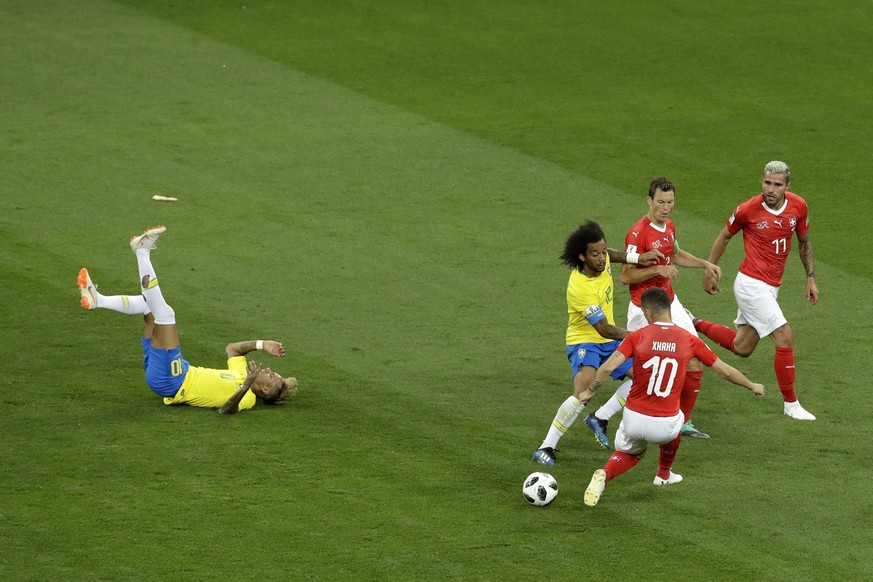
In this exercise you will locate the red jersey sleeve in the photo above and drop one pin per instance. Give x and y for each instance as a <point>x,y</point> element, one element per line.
<point>737,219</point>
<point>702,352</point>
<point>802,216</point>
<point>626,347</point>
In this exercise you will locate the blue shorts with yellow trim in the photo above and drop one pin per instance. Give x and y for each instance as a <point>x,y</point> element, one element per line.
<point>594,355</point>
<point>165,370</point>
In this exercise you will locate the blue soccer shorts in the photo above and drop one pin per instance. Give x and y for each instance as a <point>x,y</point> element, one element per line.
<point>165,370</point>
<point>594,355</point>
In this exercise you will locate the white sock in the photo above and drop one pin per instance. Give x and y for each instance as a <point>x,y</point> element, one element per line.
<point>126,304</point>
<point>144,263</point>
<point>564,419</point>
<point>616,403</point>
<point>164,314</point>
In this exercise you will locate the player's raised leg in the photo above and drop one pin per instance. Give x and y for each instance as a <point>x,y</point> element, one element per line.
<point>165,335</point>
<point>92,299</point>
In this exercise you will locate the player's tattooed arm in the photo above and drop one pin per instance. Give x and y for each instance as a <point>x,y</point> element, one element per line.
<point>806,255</point>
<point>602,376</point>
<point>232,404</point>
<point>610,331</point>
<point>808,260</point>
<point>272,347</point>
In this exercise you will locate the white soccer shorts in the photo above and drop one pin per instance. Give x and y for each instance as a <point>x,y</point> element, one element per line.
<point>757,305</point>
<point>637,431</point>
<point>636,320</point>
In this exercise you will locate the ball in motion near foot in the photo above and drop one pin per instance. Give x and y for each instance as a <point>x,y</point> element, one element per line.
<point>540,489</point>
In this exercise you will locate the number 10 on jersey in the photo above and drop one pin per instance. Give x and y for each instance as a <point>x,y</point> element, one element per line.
<point>662,369</point>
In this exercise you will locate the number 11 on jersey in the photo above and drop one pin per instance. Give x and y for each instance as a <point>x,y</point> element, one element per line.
<point>781,245</point>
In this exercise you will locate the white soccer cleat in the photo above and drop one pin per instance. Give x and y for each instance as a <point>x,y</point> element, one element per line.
<point>87,290</point>
<point>797,412</point>
<point>147,239</point>
<point>595,488</point>
<point>673,478</point>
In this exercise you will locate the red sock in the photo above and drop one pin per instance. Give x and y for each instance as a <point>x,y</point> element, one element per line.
<point>783,363</point>
<point>618,463</point>
<point>723,336</point>
<point>690,391</point>
<point>668,455</point>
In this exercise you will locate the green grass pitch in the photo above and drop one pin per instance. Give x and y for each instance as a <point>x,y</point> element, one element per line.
<point>385,187</point>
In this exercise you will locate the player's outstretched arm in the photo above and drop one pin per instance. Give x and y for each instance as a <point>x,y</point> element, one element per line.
<point>646,259</point>
<point>232,404</point>
<point>686,259</point>
<point>734,376</point>
<point>610,331</point>
<point>719,245</point>
<point>602,376</point>
<point>631,274</point>
<point>273,348</point>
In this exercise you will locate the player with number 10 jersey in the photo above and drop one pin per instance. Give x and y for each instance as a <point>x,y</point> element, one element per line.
<point>661,352</point>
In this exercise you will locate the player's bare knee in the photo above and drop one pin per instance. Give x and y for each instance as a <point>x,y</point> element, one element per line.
<point>783,337</point>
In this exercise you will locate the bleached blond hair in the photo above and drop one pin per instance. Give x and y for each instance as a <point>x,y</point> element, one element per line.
<point>288,390</point>
<point>777,167</point>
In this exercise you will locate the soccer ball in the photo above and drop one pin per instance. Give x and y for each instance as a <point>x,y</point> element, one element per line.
<point>539,489</point>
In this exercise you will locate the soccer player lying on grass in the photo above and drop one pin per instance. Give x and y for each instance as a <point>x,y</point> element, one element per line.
<point>661,352</point>
<point>167,373</point>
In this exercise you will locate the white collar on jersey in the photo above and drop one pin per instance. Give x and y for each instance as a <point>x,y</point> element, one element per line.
<point>662,323</point>
<point>775,212</point>
<point>656,227</point>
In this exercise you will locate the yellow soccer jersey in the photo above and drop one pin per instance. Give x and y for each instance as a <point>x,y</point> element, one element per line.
<point>589,299</point>
<point>211,388</point>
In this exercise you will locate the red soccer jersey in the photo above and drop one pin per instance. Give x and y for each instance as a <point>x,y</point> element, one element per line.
<point>767,235</point>
<point>661,352</point>
<point>645,236</point>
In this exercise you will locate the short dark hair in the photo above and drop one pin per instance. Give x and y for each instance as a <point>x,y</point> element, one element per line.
<point>577,243</point>
<point>655,299</point>
<point>660,183</point>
